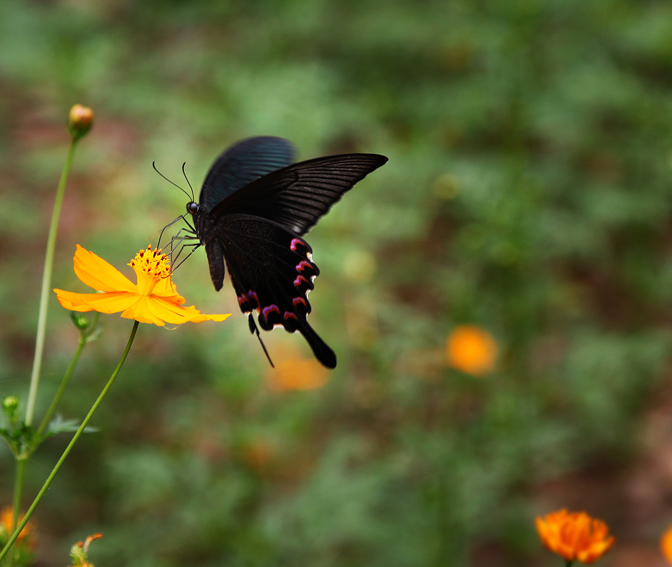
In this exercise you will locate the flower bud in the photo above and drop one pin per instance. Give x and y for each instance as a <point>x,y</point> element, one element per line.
<point>10,404</point>
<point>79,121</point>
<point>79,551</point>
<point>78,320</point>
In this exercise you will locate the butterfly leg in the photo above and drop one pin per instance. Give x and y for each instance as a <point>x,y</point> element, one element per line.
<point>194,247</point>
<point>255,329</point>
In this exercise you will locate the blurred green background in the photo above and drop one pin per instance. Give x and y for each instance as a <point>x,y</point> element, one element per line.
<point>528,192</point>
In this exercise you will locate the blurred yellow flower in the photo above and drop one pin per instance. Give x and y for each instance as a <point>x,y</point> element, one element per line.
<point>6,522</point>
<point>575,535</point>
<point>297,374</point>
<point>154,299</point>
<point>666,545</point>
<point>471,350</point>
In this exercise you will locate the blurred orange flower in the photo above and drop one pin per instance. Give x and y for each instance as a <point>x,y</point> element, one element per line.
<point>6,521</point>
<point>257,453</point>
<point>666,545</point>
<point>575,535</point>
<point>154,299</point>
<point>297,374</point>
<point>471,350</point>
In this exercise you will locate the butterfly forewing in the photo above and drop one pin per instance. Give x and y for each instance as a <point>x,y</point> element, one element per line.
<point>242,164</point>
<point>298,195</point>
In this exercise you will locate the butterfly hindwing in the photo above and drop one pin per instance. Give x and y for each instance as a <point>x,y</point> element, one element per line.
<point>272,272</point>
<point>297,196</point>
<point>242,164</point>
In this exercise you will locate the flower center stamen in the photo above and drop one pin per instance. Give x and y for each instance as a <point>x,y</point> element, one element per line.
<point>150,266</point>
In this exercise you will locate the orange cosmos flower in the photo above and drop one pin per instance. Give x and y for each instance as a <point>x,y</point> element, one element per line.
<point>6,520</point>
<point>154,299</point>
<point>471,350</point>
<point>575,536</point>
<point>666,545</point>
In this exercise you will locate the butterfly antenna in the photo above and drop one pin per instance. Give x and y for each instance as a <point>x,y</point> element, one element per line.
<point>193,195</point>
<point>172,182</point>
<point>255,329</point>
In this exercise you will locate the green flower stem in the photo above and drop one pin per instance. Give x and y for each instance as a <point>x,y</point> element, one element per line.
<point>569,563</point>
<point>46,284</point>
<point>58,465</point>
<point>64,383</point>
<point>18,487</point>
<point>85,336</point>
<point>18,490</point>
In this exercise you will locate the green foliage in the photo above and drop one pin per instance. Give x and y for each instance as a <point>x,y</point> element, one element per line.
<point>528,192</point>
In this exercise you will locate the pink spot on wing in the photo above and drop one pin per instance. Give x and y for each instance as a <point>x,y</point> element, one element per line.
<point>299,301</point>
<point>303,264</point>
<point>298,280</point>
<point>290,315</point>
<point>296,242</point>
<point>270,309</point>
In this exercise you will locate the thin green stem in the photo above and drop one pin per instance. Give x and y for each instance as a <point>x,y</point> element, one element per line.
<point>85,336</point>
<point>64,383</point>
<point>18,488</point>
<point>46,284</point>
<point>60,462</point>
<point>18,491</point>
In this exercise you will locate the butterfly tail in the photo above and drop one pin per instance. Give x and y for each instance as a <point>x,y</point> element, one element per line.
<point>320,349</point>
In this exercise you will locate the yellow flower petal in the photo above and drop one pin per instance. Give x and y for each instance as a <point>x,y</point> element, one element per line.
<point>177,315</point>
<point>111,302</point>
<point>72,301</point>
<point>195,316</point>
<point>140,311</point>
<point>166,288</point>
<point>99,274</point>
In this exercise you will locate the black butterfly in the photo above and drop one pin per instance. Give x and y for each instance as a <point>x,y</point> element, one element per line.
<point>253,208</point>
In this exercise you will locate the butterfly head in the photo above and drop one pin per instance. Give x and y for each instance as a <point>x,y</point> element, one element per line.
<point>192,207</point>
